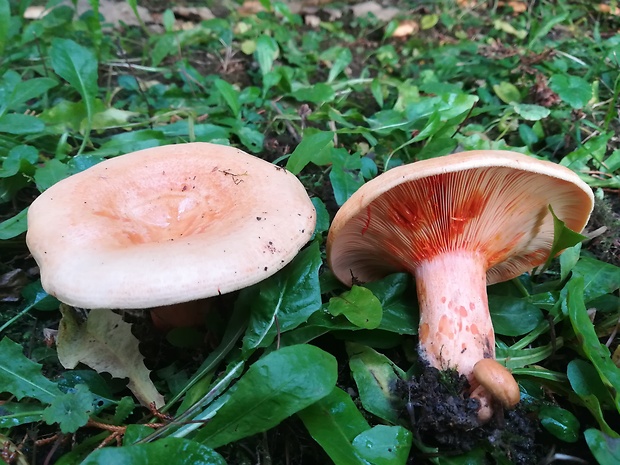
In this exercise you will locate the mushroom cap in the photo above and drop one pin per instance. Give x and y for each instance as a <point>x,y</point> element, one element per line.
<point>166,225</point>
<point>490,202</point>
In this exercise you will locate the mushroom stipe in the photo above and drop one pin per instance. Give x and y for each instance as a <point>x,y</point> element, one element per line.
<point>457,223</point>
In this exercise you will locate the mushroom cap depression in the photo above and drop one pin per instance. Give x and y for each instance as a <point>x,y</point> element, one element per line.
<point>166,225</point>
<point>494,203</point>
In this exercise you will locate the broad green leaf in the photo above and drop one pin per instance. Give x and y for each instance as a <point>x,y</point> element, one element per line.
<point>267,51</point>
<point>531,112</point>
<point>584,329</point>
<point>20,158</point>
<point>166,451</point>
<point>28,90</point>
<point>318,93</point>
<point>594,147</point>
<point>400,310</point>
<point>285,300</point>
<point>384,445</point>
<point>588,386</point>
<point>599,278</point>
<point>345,176</point>
<point>429,21</point>
<point>342,59</point>
<point>310,147</point>
<point>375,376</point>
<point>230,95</point>
<point>507,92</point>
<point>275,387</point>
<point>322,216</point>
<point>16,413</point>
<point>105,343</point>
<point>334,421</point>
<point>559,422</point>
<point>568,260</point>
<point>563,237</point>
<point>36,295</point>
<point>573,90</point>
<point>359,306</point>
<point>513,316</point>
<point>70,410</point>
<point>14,226</point>
<point>16,123</point>
<point>605,449</point>
<point>22,377</point>
<point>5,22</point>
<point>50,173</point>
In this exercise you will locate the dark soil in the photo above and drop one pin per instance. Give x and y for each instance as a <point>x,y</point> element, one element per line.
<point>443,416</point>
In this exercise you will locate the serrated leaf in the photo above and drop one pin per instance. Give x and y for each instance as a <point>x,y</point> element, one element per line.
<point>334,421</point>
<point>359,306</point>
<point>275,387</point>
<point>22,377</point>
<point>70,410</point>
<point>105,343</point>
<point>166,451</point>
<point>290,296</point>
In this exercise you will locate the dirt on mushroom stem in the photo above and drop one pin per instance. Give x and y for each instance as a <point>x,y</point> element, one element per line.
<point>442,415</point>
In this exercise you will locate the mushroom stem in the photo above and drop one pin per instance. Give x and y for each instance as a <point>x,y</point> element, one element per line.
<point>183,315</point>
<point>455,325</point>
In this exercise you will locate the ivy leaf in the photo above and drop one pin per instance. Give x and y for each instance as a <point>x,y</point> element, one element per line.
<point>104,342</point>
<point>70,410</point>
<point>22,377</point>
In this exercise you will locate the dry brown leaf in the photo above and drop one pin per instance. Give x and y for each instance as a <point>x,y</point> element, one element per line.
<point>406,28</point>
<point>200,13</point>
<point>105,343</point>
<point>361,10</point>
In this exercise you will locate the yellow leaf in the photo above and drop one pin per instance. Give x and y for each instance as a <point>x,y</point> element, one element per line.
<point>104,342</point>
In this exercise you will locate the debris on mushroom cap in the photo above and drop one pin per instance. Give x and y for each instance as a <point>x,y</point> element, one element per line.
<point>494,202</point>
<point>166,225</point>
<point>498,381</point>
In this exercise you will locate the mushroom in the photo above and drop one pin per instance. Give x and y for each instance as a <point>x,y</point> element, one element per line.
<point>494,378</point>
<point>457,223</point>
<point>166,225</point>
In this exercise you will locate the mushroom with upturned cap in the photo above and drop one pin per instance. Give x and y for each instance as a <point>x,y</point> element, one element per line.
<point>167,225</point>
<point>457,223</point>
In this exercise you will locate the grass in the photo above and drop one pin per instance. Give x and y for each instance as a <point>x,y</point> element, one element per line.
<point>284,371</point>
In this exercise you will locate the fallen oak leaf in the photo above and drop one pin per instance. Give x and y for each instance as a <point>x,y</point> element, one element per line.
<point>104,342</point>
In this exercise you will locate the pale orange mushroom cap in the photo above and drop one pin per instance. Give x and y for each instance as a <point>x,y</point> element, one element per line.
<point>457,223</point>
<point>166,225</point>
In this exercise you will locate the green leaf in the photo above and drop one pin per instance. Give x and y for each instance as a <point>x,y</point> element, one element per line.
<point>588,386</point>
<point>598,353</point>
<point>600,278</point>
<point>14,226</point>
<point>334,421</point>
<point>384,445</point>
<point>342,59</point>
<point>229,94</point>
<point>322,216</point>
<point>359,306</point>
<point>375,376</point>
<point>563,237</point>
<point>429,21</point>
<point>267,51</point>
<point>345,175</point>
<point>513,316</point>
<point>15,123</point>
<point>50,173</point>
<point>290,296</point>
<point>166,451</point>
<point>605,449</point>
<point>507,92</point>
<point>275,387</point>
<point>15,414</point>
<point>559,422</point>
<point>573,90</point>
<point>310,147</point>
<point>318,93</point>
<point>21,158</point>
<point>24,91</point>
<point>400,311</point>
<point>5,22</point>
<point>70,410</point>
<point>22,377</point>
<point>531,112</point>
